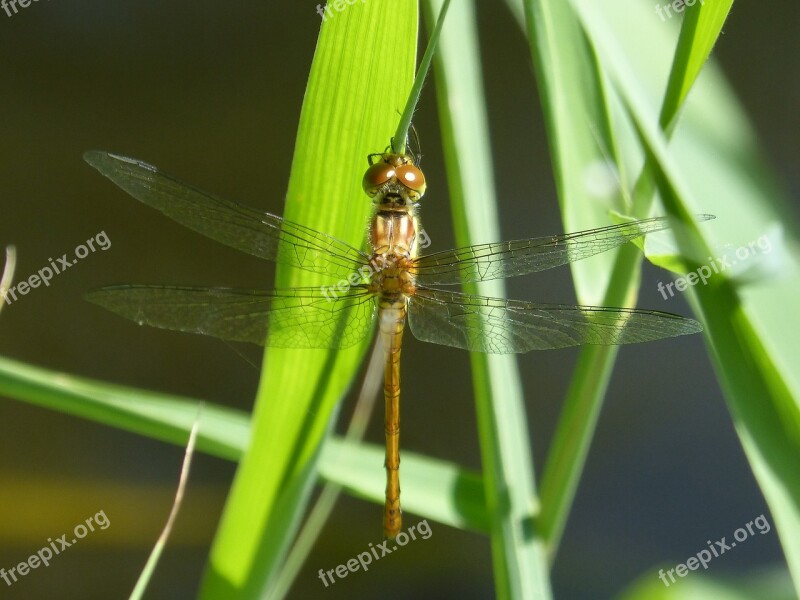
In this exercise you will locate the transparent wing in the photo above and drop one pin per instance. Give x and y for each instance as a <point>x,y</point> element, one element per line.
<point>498,326</point>
<point>294,318</point>
<point>483,262</point>
<point>258,233</point>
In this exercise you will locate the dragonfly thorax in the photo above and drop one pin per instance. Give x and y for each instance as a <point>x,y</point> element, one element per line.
<point>396,184</point>
<point>393,232</point>
<point>392,278</point>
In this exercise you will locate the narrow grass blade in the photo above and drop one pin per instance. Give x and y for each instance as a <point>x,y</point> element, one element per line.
<point>349,111</point>
<point>222,432</point>
<point>700,30</point>
<point>518,554</point>
<point>158,549</point>
<point>399,140</point>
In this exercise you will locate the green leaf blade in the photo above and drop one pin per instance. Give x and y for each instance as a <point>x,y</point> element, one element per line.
<point>700,30</point>
<point>350,110</point>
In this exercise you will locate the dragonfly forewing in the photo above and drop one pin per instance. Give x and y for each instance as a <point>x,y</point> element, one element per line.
<point>484,262</point>
<point>293,318</point>
<point>497,326</point>
<point>257,233</point>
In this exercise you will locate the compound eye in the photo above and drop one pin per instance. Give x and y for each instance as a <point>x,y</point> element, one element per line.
<point>376,176</point>
<point>411,177</point>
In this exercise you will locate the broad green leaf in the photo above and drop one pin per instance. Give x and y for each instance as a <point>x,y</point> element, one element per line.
<point>349,111</point>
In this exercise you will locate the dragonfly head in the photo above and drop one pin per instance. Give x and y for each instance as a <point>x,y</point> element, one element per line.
<point>394,179</point>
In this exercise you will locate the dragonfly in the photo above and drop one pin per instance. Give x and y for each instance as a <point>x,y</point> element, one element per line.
<point>390,284</point>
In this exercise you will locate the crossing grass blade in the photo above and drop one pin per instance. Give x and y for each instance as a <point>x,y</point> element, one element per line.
<point>435,489</point>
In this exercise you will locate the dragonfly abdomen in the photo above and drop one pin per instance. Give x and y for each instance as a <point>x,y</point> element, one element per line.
<point>392,319</point>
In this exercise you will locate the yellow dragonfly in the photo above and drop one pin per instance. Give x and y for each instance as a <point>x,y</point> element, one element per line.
<point>388,284</point>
